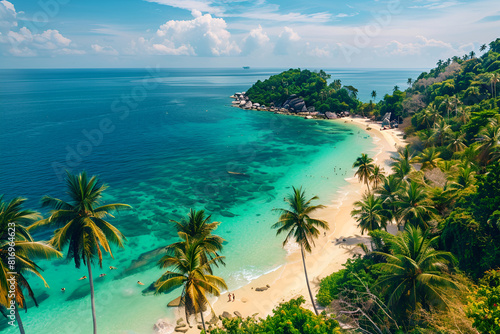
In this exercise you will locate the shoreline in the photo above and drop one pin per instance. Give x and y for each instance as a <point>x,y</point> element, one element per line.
<point>328,255</point>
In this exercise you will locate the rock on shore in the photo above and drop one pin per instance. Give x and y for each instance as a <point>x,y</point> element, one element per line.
<point>293,105</point>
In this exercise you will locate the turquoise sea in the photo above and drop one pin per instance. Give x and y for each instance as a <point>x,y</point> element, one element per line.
<point>164,141</point>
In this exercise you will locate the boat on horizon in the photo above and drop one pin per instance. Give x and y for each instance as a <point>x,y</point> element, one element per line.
<point>246,67</point>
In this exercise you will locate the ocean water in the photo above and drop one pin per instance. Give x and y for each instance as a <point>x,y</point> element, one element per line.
<point>164,141</point>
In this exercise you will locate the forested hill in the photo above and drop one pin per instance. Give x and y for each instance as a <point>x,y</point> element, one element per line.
<point>459,84</point>
<point>311,86</point>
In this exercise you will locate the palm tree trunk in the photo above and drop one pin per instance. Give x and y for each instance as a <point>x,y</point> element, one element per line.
<point>307,280</point>
<point>203,320</point>
<point>92,302</point>
<point>19,321</point>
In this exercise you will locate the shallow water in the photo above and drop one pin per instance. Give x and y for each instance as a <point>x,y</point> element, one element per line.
<point>164,143</point>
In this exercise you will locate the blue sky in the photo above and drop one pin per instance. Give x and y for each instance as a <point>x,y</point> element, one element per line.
<point>234,33</point>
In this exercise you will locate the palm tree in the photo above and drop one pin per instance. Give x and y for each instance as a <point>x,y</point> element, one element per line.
<point>396,88</point>
<point>409,82</point>
<point>464,178</point>
<point>456,142</point>
<point>489,141</point>
<point>370,213</point>
<point>81,224</point>
<point>425,118</point>
<point>448,103</point>
<point>388,192</point>
<point>401,166</point>
<point>440,131</point>
<point>197,225</point>
<point>429,158</point>
<point>365,168</point>
<point>336,84</point>
<point>401,169</point>
<point>469,155</point>
<point>194,275</point>
<point>414,206</point>
<point>472,54</point>
<point>377,176</point>
<point>483,47</point>
<point>17,252</point>
<point>374,94</point>
<point>415,273</point>
<point>300,227</point>
<point>464,114</point>
<point>494,79</point>
<point>435,116</point>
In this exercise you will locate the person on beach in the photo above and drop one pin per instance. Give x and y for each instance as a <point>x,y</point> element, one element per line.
<point>63,289</point>
<point>229,295</point>
<point>112,268</point>
<point>140,283</point>
<point>82,278</point>
<point>102,275</point>
<point>233,297</point>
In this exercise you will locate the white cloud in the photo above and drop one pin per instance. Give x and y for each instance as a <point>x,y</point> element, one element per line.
<point>258,10</point>
<point>342,15</point>
<point>289,34</point>
<point>8,16</point>
<point>273,15</point>
<point>22,51</point>
<point>200,5</point>
<point>437,5</point>
<point>255,40</point>
<point>105,50</point>
<point>287,42</point>
<point>317,52</point>
<point>23,42</point>
<point>66,51</point>
<point>204,35</point>
<point>414,48</point>
<point>183,50</point>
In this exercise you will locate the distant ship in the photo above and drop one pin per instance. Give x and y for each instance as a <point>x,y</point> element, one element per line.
<point>246,67</point>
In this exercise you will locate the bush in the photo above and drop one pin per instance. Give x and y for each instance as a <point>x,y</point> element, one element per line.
<point>288,318</point>
<point>345,280</point>
<point>484,305</point>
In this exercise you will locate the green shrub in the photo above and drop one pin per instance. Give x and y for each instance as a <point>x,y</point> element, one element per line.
<point>287,318</point>
<point>484,304</point>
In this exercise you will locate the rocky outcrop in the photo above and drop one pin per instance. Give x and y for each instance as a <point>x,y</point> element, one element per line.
<point>264,288</point>
<point>226,315</point>
<point>175,303</point>
<point>295,104</point>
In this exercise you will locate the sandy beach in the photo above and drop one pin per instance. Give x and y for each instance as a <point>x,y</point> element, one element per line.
<point>332,249</point>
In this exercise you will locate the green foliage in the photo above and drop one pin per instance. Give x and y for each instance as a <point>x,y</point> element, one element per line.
<point>347,279</point>
<point>484,305</point>
<point>393,103</point>
<point>311,86</point>
<point>471,231</point>
<point>487,200</point>
<point>415,274</point>
<point>477,121</point>
<point>287,318</point>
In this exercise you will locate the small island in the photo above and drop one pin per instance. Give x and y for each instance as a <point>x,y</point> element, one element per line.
<point>302,93</point>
